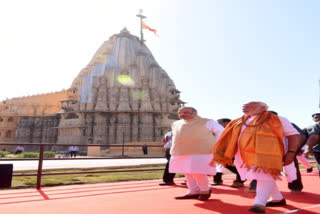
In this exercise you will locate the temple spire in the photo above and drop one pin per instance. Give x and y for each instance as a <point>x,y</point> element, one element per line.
<point>141,18</point>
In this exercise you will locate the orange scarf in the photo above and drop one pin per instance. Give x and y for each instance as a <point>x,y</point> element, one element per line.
<point>261,144</point>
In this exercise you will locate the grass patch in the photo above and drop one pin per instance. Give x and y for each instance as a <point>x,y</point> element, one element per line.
<point>4,153</point>
<point>47,154</point>
<point>57,180</point>
<point>314,165</point>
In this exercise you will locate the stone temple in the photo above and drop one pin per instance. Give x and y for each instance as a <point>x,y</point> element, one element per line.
<point>122,95</point>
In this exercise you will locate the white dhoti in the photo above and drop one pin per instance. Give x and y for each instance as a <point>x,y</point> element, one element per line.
<point>196,170</point>
<point>289,171</point>
<point>198,164</point>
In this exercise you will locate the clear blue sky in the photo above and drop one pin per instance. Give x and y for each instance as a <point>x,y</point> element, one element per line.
<point>220,53</point>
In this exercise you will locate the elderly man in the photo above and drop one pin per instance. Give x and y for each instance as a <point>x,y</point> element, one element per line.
<point>257,140</point>
<point>193,139</point>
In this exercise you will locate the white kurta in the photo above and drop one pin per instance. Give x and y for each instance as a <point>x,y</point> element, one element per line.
<point>289,170</point>
<point>196,164</point>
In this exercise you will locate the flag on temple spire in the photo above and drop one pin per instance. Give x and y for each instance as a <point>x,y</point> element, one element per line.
<point>144,26</point>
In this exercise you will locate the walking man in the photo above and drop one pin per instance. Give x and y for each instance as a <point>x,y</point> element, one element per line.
<point>167,176</point>
<point>313,141</point>
<point>261,143</point>
<point>217,179</point>
<point>193,139</point>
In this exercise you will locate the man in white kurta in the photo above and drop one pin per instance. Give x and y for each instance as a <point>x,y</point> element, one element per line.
<point>266,185</point>
<point>289,169</point>
<point>193,139</point>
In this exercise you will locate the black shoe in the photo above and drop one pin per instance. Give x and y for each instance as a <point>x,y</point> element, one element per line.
<point>278,203</point>
<point>309,170</point>
<point>217,183</point>
<point>256,209</point>
<point>253,186</point>
<point>204,197</point>
<point>237,184</point>
<point>252,190</point>
<point>167,184</point>
<point>187,196</point>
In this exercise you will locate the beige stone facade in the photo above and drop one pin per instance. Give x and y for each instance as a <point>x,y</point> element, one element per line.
<point>20,117</point>
<point>121,96</point>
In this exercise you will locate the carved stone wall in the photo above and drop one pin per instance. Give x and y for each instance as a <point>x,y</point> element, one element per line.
<point>37,130</point>
<point>8,126</point>
<point>112,128</point>
<point>12,110</point>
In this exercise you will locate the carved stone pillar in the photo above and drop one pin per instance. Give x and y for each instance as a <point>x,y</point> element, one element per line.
<point>156,102</point>
<point>102,99</point>
<point>145,101</point>
<point>112,129</point>
<point>158,128</point>
<point>135,99</point>
<point>135,128</point>
<point>146,127</point>
<point>124,100</point>
<point>113,97</point>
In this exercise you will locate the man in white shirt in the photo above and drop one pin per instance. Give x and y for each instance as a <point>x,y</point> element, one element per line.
<point>19,149</point>
<point>73,151</point>
<point>193,139</point>
<point>167,176</point>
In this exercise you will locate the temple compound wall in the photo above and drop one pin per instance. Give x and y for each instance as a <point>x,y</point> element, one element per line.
<point>121,96</point>
<point>23,119</point>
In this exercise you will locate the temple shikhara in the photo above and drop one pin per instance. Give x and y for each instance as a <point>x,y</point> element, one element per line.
<point>122,95</point>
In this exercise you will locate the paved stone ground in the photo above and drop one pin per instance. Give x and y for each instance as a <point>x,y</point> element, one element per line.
<point>146,197</point>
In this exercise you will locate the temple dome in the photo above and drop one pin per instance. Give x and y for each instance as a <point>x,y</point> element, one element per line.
<point>124,76</point>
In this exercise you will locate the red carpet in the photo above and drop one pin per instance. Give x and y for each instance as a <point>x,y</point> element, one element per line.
<point>147,197</point>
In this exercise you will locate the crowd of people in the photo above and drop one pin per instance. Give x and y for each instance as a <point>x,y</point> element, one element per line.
<point>258,146</point>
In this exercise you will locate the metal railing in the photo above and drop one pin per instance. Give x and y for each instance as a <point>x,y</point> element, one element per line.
<point>41,158</point>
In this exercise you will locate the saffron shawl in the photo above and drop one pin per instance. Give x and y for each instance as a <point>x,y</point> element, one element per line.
<point>261,144</point>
